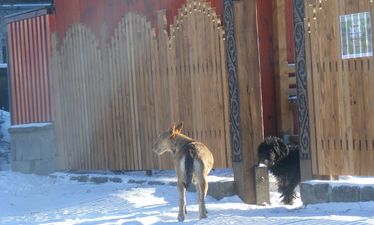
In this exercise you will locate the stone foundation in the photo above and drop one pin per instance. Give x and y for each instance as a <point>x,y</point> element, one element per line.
<point>33,148</point>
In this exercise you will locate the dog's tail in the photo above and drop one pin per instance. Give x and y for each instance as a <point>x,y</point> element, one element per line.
<point>188,163</point>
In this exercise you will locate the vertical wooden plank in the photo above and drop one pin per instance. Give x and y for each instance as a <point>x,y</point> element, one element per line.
<point>82,119</point>
<point>121,106</point>
<point>56,98</point>
<point>85,84</point>
<point>133,91</point>
<point>48,56</point>
<point>141,91</point>
<point>221,103</point>
<point>225,102</point>
<point>129,93</point>
<point>152,95</point>
<point>68,66</point>
<point>72,52</point>
<point>19,79</point>
<point>71,93</point>
<point>156,92</point>
<point>125,84</point>
<point>94,97</point>
<point>22,74</point>
<point>39,68</point>
<point>61,62</point>
<point>27,74</point>
<point>249,95</point>
<point>132,142</point>
<point>165,49</point>
<point>35,24</point>
<point>82,76</point>
<point>110,97</point>
<point>180,104</point>
<point>312,89</point>
<point>30,57</point>
<point>218,89</point>
<point>148,88</point>
<point>100,115</point>
<point>13,59</point>
<point>44,68</point>
<point>137,95</point>
<point>144,63</point>
<point>69,100</point>
<point>115,85</point>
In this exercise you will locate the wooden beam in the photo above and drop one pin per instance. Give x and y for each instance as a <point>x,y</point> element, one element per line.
<point>249,83</point>
<point>306,137</point>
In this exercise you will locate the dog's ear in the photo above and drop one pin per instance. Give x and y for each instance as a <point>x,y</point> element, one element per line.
<point>179,127</point>
<point>174,130</point>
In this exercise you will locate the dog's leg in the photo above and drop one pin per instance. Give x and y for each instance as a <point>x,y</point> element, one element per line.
<point>198,187</point>
<point>288,192</point>
<point>182,201</point>
<point>203,186</point>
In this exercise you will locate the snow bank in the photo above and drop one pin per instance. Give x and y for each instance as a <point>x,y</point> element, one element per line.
<point>5,119</point>
<point>31,199</point>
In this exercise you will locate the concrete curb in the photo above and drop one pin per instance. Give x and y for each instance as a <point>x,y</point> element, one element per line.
<point>324,192</point>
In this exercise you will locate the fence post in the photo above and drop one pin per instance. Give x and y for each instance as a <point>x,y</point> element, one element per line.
<point>302,91</point>
<point>244,93</point>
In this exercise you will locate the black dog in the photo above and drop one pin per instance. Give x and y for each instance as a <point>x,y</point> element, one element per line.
<point>283,162</point>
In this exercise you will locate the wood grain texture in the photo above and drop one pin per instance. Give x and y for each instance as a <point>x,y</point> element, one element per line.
<point>284,114</point>
<point>137,86</point>
<point>340,91</point>
<point>249,82</point>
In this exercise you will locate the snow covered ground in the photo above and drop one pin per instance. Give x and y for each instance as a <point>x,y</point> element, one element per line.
<point>31,199</point>
<point>56,199</point>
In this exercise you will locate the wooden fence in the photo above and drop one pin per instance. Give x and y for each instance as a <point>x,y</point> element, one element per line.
<point>341,95</point>
<point>29,50</point>
<point>112,100</point>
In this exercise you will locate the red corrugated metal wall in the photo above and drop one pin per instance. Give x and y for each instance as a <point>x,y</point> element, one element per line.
<point>29,54</point>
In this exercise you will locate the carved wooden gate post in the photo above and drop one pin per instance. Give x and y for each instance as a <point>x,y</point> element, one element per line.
<point>244,92</point>
<point>302,91</point>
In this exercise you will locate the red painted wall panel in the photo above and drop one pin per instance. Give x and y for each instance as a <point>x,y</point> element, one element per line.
<point>29,54</point>
<point>265,32</point>
<point>102,16</point>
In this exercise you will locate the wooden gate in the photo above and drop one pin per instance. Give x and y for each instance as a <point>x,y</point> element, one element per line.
<point>112,100</point>
<point>340,86</point>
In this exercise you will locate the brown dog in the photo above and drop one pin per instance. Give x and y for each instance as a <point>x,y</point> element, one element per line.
<point>192,161</point>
